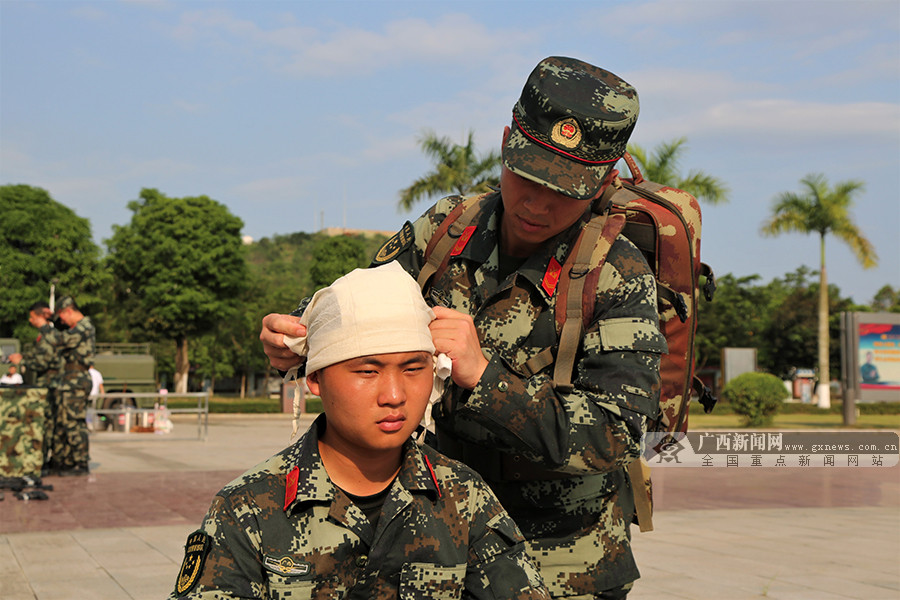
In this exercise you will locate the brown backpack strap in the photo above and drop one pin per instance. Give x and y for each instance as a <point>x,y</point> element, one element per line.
<point>575,305</point>
<point>639,477</point>
<point>437,253</point>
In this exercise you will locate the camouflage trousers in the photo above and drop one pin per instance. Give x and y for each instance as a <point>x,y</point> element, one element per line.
<point>51,408</point>
<point>21,430</point>
<point>70,433</point>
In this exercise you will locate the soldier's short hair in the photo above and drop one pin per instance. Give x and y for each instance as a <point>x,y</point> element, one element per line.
<point>39,306</point>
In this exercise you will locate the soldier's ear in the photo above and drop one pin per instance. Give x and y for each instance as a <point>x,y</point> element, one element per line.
<point>312,382</point>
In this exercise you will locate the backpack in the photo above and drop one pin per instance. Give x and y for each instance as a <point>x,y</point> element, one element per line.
<point>664,224</point>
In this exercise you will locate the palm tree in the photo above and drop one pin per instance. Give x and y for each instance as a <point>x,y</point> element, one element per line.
<point>662,167</point>
<point>458,170</point>
<point>823,210</point>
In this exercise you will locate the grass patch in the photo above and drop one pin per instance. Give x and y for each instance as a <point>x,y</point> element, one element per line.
<point>808,417</point>
<point>222,404</point>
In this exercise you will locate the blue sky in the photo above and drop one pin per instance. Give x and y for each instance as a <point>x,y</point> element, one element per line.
<point>299,114</point>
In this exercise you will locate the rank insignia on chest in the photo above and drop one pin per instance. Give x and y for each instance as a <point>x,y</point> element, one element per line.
<point>551,276</point>
<point>400,241</point>
<point>286,565</point>
<point>195,550</point>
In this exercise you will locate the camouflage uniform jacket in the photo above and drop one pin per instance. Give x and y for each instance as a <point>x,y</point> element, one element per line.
<point>76,348</point>
<point>555,460</point>
<point>283,530</point>
<point>44,362</point>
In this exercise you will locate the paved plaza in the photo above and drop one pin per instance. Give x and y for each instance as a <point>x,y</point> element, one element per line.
<point>721,533</point>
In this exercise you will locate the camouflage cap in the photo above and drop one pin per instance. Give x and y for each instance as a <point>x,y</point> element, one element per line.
<point>570,126</point>
<point>65,302</point>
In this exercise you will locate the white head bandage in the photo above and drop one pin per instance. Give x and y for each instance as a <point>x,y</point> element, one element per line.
<point>368,311</point>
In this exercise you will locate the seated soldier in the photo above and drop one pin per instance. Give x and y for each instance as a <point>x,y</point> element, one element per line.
<point>356,507</point>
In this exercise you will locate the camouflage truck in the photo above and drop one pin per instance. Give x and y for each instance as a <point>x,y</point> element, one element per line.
<point>126,368</point>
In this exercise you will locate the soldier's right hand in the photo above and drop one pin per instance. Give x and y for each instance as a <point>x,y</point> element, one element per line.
<point>274,327</point>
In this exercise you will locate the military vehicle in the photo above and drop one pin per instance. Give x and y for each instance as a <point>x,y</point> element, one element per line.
<point>8,346</point>
<point>127,368</point>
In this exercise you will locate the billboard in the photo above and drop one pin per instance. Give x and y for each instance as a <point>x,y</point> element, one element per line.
<point>870,356</point>
<point>879,356</point>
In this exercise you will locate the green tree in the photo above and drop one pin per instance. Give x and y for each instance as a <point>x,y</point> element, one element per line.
<point>662,165</point>
<point>821,209</point>
<point>42,242</point>
<point>736,319</point>
<point>334,257</point>
<point>179,269</point>
<point>887,299</point>
<point>458,170</point>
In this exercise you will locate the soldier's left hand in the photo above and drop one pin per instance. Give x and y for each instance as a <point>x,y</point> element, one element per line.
<point>454,334</point>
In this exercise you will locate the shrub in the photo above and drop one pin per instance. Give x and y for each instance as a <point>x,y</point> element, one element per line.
<point>755,396</point>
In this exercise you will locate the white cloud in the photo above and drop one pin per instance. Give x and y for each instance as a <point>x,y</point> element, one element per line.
<point>304,51</point>
<point>785,117</point>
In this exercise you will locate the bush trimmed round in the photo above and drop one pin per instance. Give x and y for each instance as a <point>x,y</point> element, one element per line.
<point>756,396</point>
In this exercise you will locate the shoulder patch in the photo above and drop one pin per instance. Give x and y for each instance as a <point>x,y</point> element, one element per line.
<point>400,241</point>
<point>195,550</point>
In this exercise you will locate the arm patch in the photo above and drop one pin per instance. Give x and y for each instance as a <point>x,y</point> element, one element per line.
<point>195,550</point>
<point>400,241</point>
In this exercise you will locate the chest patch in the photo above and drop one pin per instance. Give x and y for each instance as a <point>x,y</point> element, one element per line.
<point>195,550</point>
<point>286,565</point>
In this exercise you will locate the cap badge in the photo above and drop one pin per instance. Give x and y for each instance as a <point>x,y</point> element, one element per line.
<point>566,133</point>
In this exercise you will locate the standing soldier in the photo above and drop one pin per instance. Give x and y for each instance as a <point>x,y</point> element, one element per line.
<point>42,367</point>
<point>555,455</point>
<point>76,347</point>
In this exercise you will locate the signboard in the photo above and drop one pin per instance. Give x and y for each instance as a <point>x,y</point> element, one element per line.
<point>879,356</point>
<point>870,356</point>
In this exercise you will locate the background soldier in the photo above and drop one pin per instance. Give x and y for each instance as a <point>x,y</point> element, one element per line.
<point>42,367</point>
<point>555,457</point>
<point>76,348</point>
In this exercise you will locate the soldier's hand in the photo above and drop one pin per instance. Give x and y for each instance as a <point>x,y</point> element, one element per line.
<point>274,327</point>
<point>15,358</point>
<point>454,334</point>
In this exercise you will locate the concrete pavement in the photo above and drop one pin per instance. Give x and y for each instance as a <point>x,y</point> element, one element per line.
<point>812,533</point>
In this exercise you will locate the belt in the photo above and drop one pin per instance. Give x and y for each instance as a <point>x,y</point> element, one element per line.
<point>76,367</point>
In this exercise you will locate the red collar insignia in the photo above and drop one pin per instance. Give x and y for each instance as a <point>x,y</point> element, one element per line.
<point>463,240</point>
<point>551,277</point>
<point>290,490</point>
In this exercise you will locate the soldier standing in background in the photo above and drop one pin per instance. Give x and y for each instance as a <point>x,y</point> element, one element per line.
<point>76,347</point>
<point>42,367</point>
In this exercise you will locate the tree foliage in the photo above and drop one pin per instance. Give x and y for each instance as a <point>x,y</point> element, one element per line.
<point>334,257</point>
<point>886,299</point>
<point>42,241</point>
<point>662,166</point>
<point>179,267</point>
<point>735,319</point>
<point>777,318</point>
<point>457,170</point>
